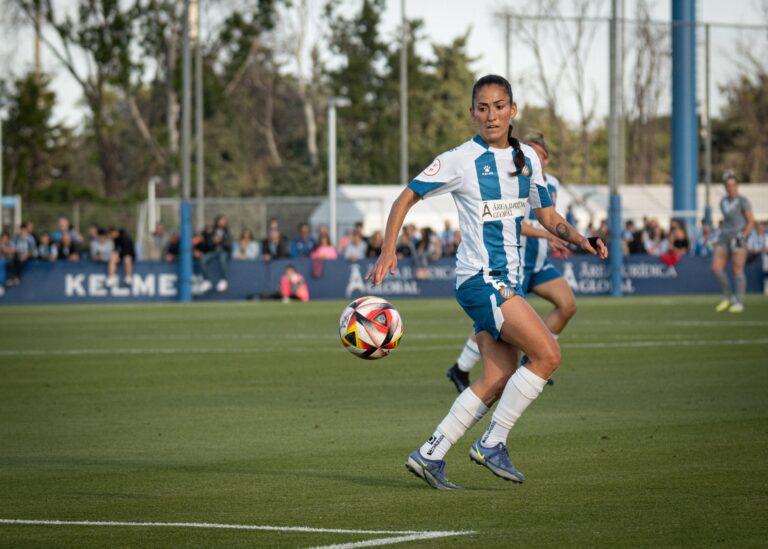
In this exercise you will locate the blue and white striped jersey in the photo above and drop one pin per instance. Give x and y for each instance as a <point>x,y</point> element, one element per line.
<point>535,249</point>
<point>491,204</point>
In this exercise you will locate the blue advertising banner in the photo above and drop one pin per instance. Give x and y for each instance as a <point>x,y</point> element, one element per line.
<point>86,282</point>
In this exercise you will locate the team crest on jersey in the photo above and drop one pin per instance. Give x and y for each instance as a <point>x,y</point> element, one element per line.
<point>433,168</point>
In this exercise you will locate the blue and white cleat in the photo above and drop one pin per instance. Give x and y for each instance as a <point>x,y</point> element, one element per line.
<point>432,471</point>
<point>497,460</point>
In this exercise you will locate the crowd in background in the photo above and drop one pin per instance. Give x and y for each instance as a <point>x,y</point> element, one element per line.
<point>215,246</point>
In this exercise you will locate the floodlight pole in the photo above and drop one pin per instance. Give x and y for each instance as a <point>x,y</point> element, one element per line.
<point>333,102</point>
<point>707,133</point>
<point>404,97</point>
<point>615,145</point>
<point>185,218</point>
<point>196,35</point>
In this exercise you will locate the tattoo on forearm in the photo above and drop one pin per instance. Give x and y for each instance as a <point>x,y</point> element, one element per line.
<point>562,231</point>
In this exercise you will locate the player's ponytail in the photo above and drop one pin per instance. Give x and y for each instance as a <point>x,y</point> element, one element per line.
<point>518,156</point>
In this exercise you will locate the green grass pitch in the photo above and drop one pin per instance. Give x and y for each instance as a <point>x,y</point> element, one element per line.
<point>654,434</point>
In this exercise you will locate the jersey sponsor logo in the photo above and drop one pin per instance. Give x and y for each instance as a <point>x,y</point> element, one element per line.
<point>495,210</point>
<point>433,168</point>
<point>487,169</point>
<point>526,171</point>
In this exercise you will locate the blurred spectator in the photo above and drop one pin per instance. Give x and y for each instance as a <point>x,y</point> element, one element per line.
<point>123,250</point>
<point>5,245</point>
<point>678,244</point>
<point>757,243</point>
<point>570,217</point>
<point>356,248</point>
<point>356,230</point>
<point>405,247</point>
<point>20,250</point>
<point>46,251</point>
<point>447,240</point>
<point>274,246</point>
<point>412,234</point>
<point>428,250</point>
<point>171,251</point>
<point>93,238</point>
<point>324,249</point>
<point>157,243</point>
<point>216,248</point>
<point>374,245</point>
<point>627,236</point>
<point>246,247</point>
<point>65,227</point>
<point>293,286</point>
<point>704,244</point>
<point>67,249</point>
<point>456,240</point>
<point>102,247</point>
<point>322,230</point>
<point>303,244</point>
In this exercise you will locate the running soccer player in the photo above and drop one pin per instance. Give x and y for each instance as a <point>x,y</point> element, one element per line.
<point>539,275</point>
<point>735,227</point>
<point>491,177</point>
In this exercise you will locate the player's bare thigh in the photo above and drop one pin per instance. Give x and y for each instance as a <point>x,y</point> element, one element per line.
<point>719,259</point>
<point>558,293</point>
<point>525,330</point>
<point>499,363</point>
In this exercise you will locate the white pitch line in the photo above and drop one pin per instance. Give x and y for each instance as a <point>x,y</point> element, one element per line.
<point>417,348</point>
<point>401,535</point>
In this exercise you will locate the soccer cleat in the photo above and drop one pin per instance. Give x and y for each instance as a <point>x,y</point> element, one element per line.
<point>430,470</point>
<point>459,378</point>
<point>736,308</point>
<point>497,460</point>
<point>724,305</point>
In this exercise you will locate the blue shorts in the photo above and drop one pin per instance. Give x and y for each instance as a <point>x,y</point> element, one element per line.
<point>532,279</point>
<point>482,301</point>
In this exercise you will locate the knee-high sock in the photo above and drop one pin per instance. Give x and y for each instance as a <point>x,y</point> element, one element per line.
<point>469,356</point>
<point>740,282</point>
<point>521,389</point>
<point>466,411</point>
<point>725,284</point>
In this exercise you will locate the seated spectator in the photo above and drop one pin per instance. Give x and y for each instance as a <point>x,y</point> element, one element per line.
<point>678,244</point>
<point>65,227</point>
<point>704,245</point>
<point>324,249</point>
<point>374,245</point>
<point>67,249</point>
<point>627,236</point>
<point>274,246</point>
<point>322,230</point>
<point>405,247</point>
<point>757,243</point>
<point>20,250</point>
<point>123,250</point>
<point>102,247</point>
<point>303,244</point>
<point>217,248</point>
<point>356,248</point>
<point>246,247</point>
<point>172,249</point>
<point>46,251</point>
<point>293,286</point>
<point>570,217</point>
<point>93,238</point>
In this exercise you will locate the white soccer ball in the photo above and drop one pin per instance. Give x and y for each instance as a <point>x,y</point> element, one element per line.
<point>370,327</point>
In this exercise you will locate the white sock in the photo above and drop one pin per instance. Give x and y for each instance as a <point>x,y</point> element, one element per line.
<point>469,356</point>
<point>466,411</point>
<point>521,389</point>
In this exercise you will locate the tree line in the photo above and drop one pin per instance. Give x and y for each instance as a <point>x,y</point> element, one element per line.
<point>266,82</point>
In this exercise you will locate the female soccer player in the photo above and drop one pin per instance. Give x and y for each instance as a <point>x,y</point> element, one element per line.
<point>539,275</point>
<point>735,227</point>
<point>491,177</point>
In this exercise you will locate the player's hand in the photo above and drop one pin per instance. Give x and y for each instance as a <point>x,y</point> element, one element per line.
<point>595,246</point>
<point>559,246</point>
<point>387,263</point>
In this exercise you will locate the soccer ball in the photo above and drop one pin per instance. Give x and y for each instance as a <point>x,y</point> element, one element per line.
<point>370,327</point>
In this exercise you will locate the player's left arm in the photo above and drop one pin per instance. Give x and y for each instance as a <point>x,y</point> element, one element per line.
<point>750,221</point>
<point>558,226</point>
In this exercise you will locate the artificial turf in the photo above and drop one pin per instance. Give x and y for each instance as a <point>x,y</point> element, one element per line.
<point>655,432</point>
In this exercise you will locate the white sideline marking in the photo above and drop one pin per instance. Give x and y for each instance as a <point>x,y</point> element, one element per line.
<point>420,348</point>
<point>401,535</point>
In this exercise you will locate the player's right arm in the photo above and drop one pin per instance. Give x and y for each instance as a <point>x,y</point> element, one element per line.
<point>387,261</point>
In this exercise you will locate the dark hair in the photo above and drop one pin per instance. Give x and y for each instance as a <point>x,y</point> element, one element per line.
<point>494,79</point>
<point>537,138</point>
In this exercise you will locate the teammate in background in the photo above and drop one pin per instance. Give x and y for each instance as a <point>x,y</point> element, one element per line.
<point>491,177</point>
<point>539,275</point>
<point>735,227</point>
